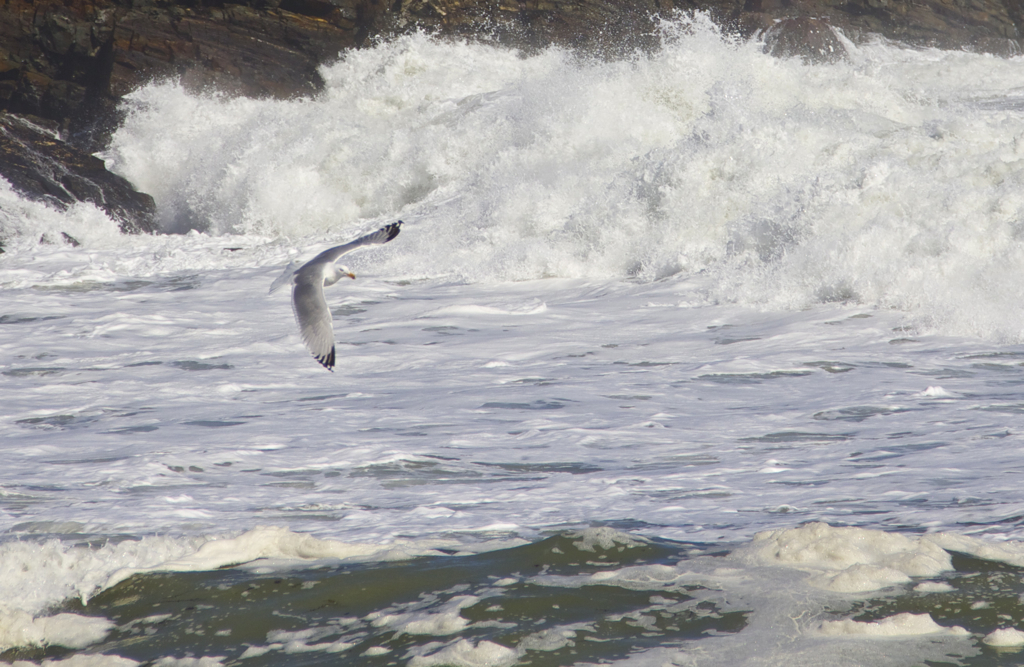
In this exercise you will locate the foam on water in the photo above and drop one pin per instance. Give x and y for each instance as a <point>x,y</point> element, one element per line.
<point>467,654</point>
<point>269,544</point>
<point>776,580</point>
<point>684,294</point>
<point>849,559</point>
<point>902,625</point>
<point>24,223</point>
<point>37,576</point>
<point>891,180</point>
<point>113,661</point>
<point>1008,637</point>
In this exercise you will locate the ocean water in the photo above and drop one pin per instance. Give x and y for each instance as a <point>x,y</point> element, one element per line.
<point>696,357</point>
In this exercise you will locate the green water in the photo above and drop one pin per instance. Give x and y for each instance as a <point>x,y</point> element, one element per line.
<point>986,596</point>
<point>224,612</point>
<point>390,613</point>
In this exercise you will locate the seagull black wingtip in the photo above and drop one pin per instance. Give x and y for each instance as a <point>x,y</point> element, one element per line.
<point>327,361</point>
<point>393,230</point>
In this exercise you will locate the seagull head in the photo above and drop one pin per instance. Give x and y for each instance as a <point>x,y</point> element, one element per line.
<point>345,272</point>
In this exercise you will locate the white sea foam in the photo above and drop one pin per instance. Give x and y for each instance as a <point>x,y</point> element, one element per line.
<point>604,539</point>
<point>901,625</point>
<point>272,544</point>
<point>442,620</point>
<point>747,579</point>
<point>705,156</point>
<point>839,560</point>
<point>70,630</point>
<point>555,638</point>
<point>688,293</point>
<point>464,653</point>
<point>25,223</point>
<point>1007,551</point>
<point>83,660</point>
<point>304,641</point>
<point>848,559</point>
<point>1005,637</point>
<point>933,587</point>
<point>936,392</point>
<point>38,576</point>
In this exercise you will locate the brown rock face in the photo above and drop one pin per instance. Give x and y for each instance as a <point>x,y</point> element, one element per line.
<point>813,40</point>
<point>70,61</point>
<point>42,167</point>
<point>614,26</point>
<point>601,26</point>
<point>992,26</point>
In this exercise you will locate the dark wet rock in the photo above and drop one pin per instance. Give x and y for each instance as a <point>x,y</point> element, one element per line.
<point>72,60</point>
<point>812,40</point>
<point>49,238</point>
<point>992,26</point>
<point>41,167</point>
<point>614,27</point>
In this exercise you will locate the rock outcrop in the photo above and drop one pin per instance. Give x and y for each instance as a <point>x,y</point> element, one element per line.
<point>42,167</point>
<point>993,26</point>
<point>810,39</point>
<point>70,61</point>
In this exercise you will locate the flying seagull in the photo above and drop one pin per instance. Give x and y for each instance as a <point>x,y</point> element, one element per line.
<point>308,282</point>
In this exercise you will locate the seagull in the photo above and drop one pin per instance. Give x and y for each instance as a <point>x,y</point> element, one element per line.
<point>308,282</point>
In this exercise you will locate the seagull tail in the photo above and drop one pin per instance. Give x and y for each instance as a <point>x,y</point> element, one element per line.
<point>286,276</point>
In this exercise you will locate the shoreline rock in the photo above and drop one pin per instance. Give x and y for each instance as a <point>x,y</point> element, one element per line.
<point>43,168</point>
<point>812,40</point>
<point>69,62</point>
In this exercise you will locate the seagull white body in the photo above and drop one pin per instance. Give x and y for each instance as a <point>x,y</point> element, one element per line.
<point>308,282</point>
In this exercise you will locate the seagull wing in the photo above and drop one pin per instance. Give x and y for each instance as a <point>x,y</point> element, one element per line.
<point>314,318</point>
<point>382,235</point>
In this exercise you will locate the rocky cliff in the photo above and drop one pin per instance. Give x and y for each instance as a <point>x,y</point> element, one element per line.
<point>68,62</point>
